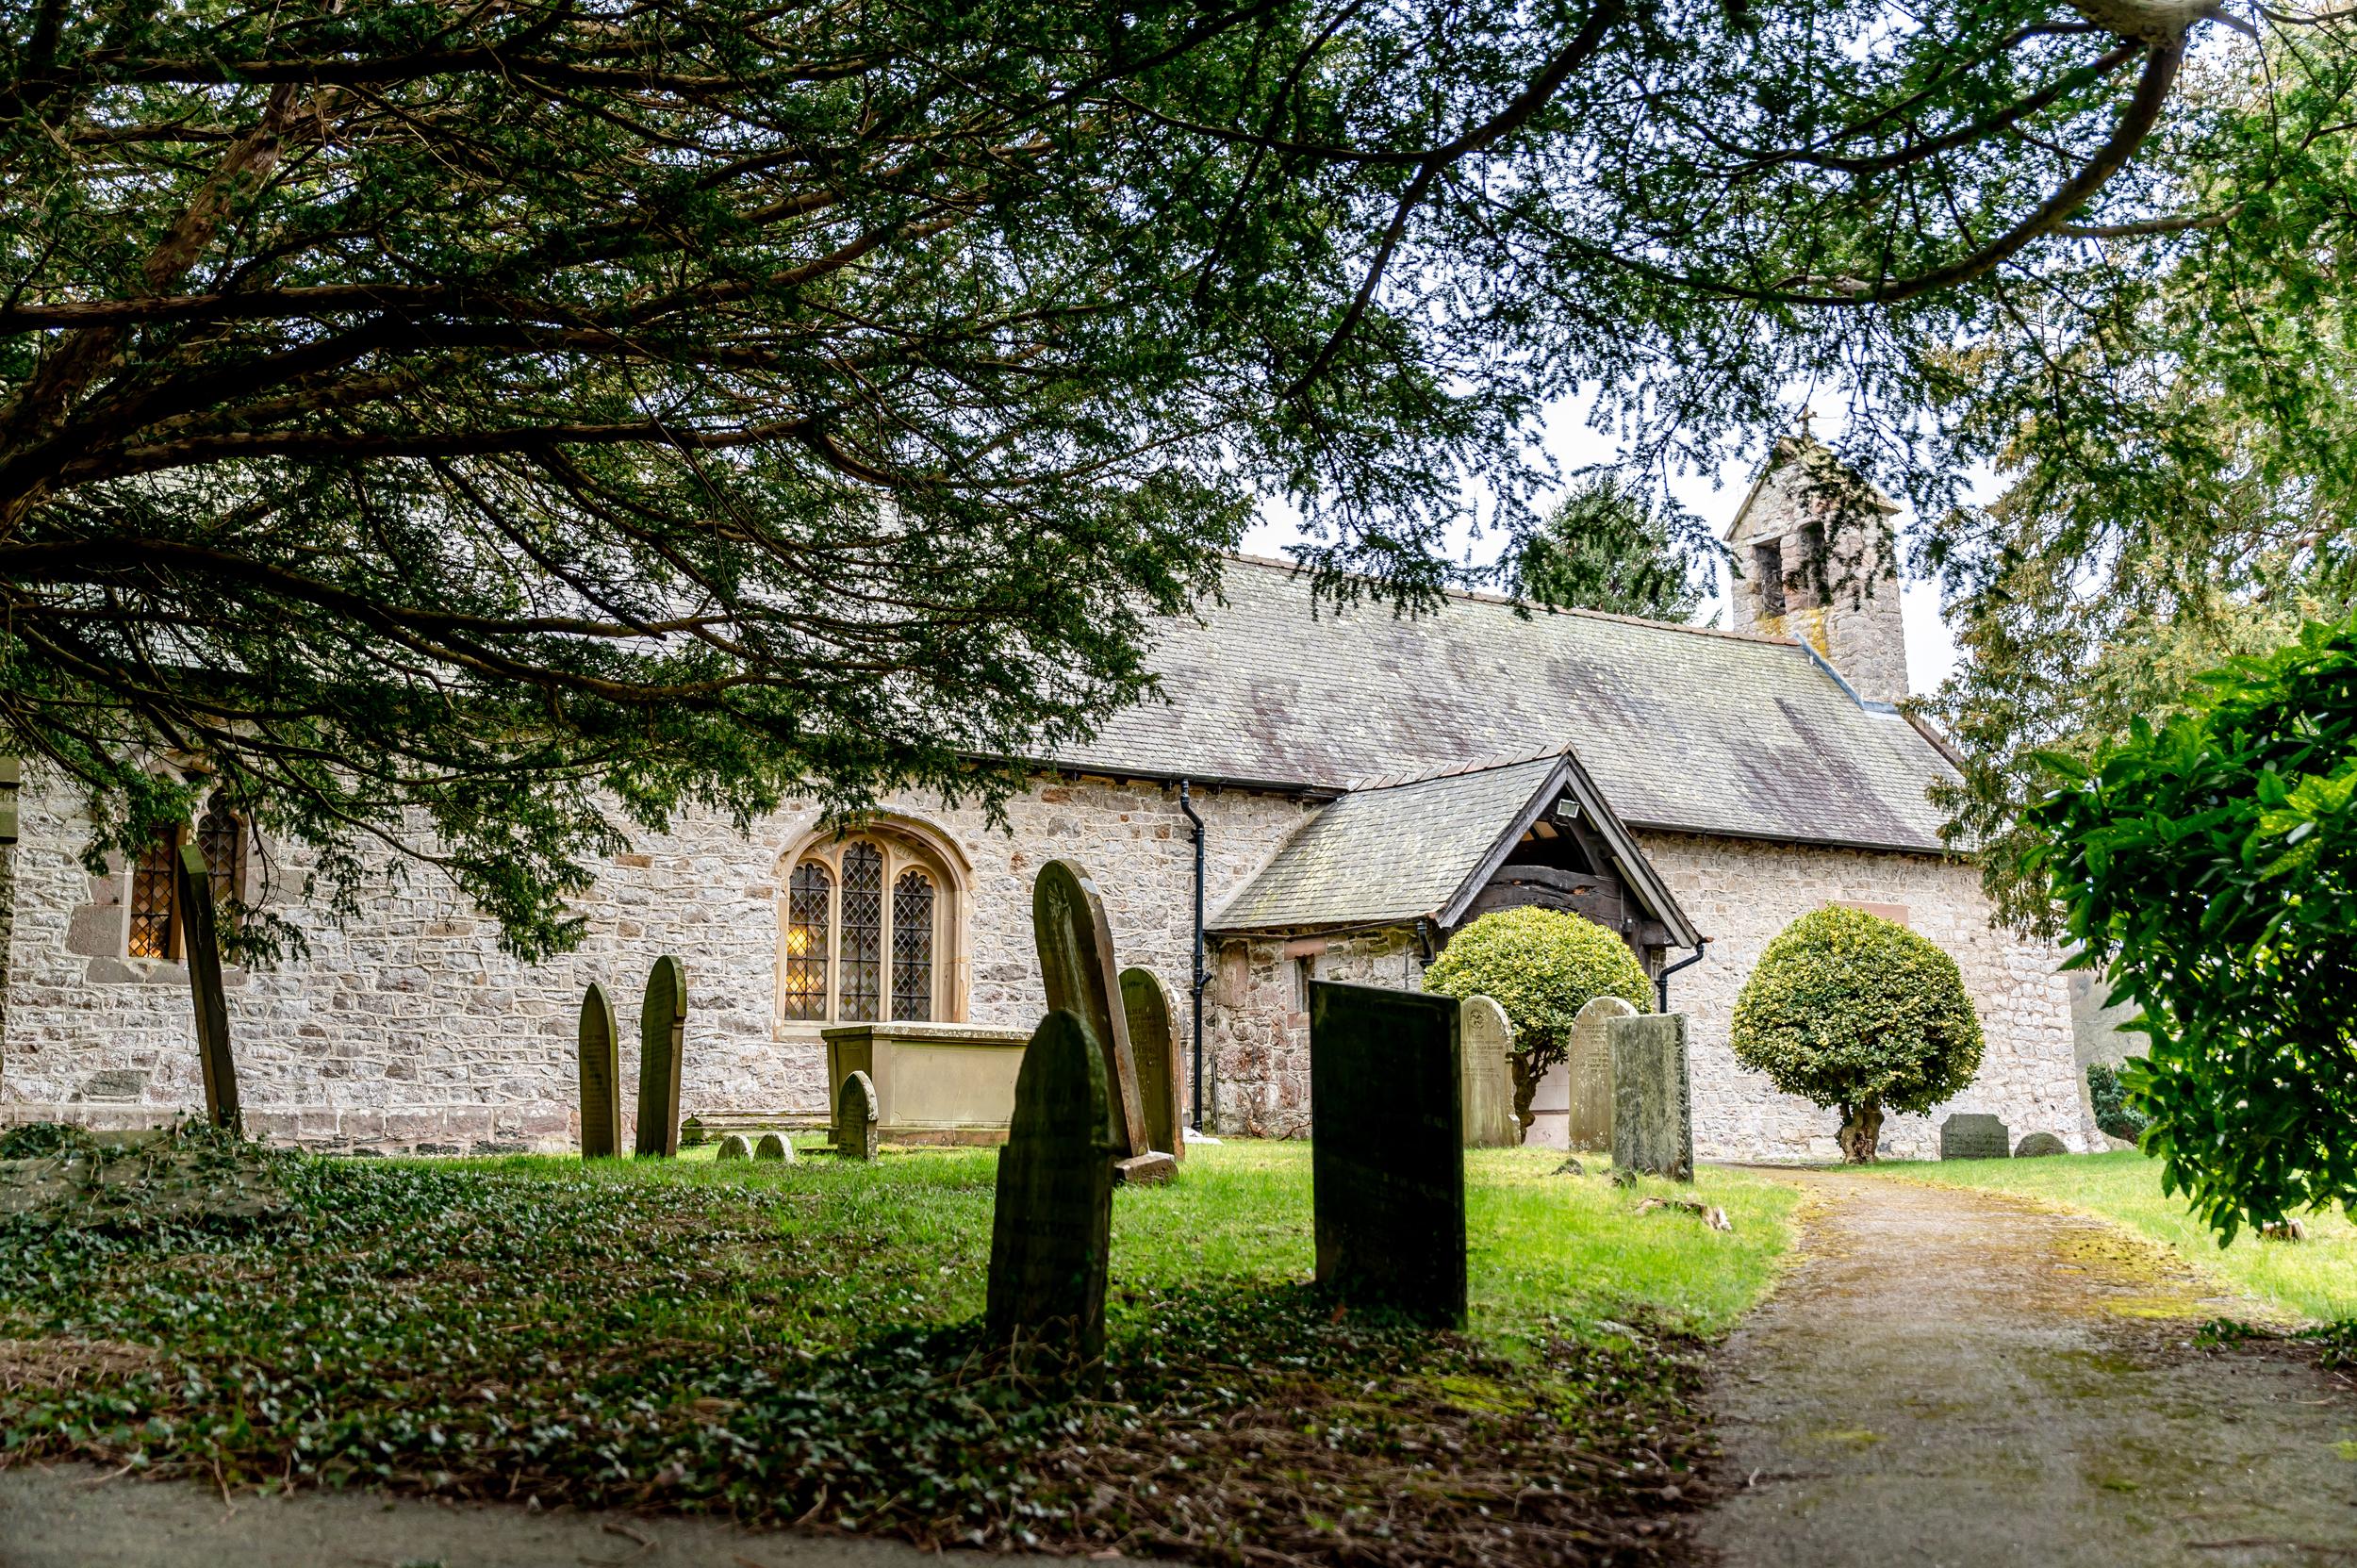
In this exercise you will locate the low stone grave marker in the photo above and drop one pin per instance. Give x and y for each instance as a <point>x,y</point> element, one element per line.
<point>600,1053</point>
<point>774,1146</point>
<point>1076,960</point>
<point>1652,1123</point>
<point>661,1036</point>
<point>1387,1153</point>
<point>734,1146</point>
<point>691,1134</point>
<point>1153,1045</point>
<point>1589,1071</point>
<point>1050,1228</point>
<point>1969,1135</point>
<point>200,946</point>
<point>1488,1041</point>
<point>2040,1146</point>
<point>855,1118</point>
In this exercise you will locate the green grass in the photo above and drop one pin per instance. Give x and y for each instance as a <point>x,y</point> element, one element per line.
<point>786,1342</point>
<point>2315,1278</point>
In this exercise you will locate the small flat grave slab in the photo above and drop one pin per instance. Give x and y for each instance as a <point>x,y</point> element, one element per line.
<point>1386,1148</point>
<point>2040,1146</point>
<point>1969,1135</point>
<point>1652,1119</point>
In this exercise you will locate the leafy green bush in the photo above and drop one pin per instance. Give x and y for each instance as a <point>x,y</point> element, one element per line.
<point>2113,1112</point>
<point>1849,1009</point>
<point>2212,865</point>
<point>1542,966</point>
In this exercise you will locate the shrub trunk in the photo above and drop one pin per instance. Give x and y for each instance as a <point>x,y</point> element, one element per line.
<point>1861,1130</point>
<point>1528,1072</point>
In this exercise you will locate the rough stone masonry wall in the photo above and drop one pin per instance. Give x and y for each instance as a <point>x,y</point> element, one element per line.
<point>1740,893</point>
<point>407,1028</point>
<point>1257,1028</point>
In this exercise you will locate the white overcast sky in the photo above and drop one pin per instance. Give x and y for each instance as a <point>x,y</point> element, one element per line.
<point>1931,647</point>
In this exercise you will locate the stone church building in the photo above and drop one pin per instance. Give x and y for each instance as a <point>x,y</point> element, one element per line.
<point>1364,783</point>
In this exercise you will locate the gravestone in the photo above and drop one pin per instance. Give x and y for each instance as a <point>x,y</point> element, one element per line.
<point>855,1117</point>
<point>1653,1122</point>
<point>1050,1228</point>
<point>1387,1153</point>
<point>200,945</point>
<point>1589,1070</point>
<point>774,1146</point>
<point>1488,1040</point>
<point>1969,1135</point>
<point>2040,1146</point>
<point>662,1035</point>
<point>1146,1007</point>
<point>734,1146</point>
<point>601,1051</point>
<point>691,1134</point>
<point>1076,960</point>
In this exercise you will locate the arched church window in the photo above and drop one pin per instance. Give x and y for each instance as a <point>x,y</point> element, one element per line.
<point>220,834</point>
<point>151,892</point>
<point>864,928</point>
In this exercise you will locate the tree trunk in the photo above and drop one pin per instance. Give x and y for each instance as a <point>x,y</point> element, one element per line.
<point>1526,1076</point>
<point>1861,1130</point>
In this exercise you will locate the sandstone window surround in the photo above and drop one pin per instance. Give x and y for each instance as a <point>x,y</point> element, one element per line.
<point>871,929</point>
<point>151,927</point>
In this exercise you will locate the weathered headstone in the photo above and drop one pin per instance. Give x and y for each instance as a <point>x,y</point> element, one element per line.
<point>1145,1006</point>
<point>1076,960</point>
<point>200,945</point>
<point>734,1146</point>
<point>600,1050</point>
<point>1488,1041</point>
<point>1050,1229</point>
<point>691,1134</point>
<point>662,1035</point>
<point>1653,1122</point>
<point>1589,1069</point>
<point>1387,1154</point>
<point>774,1146</point>
<point>2040,1146</point>
<point>855,1117</point>
<point>1969,1135</point>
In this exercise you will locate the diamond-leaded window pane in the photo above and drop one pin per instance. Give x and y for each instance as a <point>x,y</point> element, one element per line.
<point>222,838</point>
<point>862,977</point>
<point>807,897</point>
<point>151,900</point>
<point>913,946</point>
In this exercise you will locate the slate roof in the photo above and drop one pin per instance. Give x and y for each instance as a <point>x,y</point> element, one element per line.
<point>1702,732</point>
<point>1399,853</point>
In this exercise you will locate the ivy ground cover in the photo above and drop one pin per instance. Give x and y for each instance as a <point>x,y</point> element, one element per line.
<point>790,1344</point>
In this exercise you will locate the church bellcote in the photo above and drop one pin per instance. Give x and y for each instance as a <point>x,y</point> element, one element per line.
<point>1811,543</point>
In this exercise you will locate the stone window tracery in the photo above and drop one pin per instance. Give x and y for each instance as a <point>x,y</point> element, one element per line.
<point>864,926</point>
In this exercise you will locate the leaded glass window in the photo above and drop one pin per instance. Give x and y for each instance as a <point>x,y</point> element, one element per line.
<point>913,946</point>
<point>808,904</point>
<point>222,838</point>
<point>151,899</point>
<point>862,975</point>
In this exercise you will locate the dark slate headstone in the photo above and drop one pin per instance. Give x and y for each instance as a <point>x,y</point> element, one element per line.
<point>1050,1231</point>
<point>662,1033</point>
<point>1969,1135</point>
<point>774,1146</point>
<point>601,1051</point>
<point>1145,1003</point>
<point>1075,961</point>
<point>2039,1146</point>
<point>1652,1119</point>
<point>855,1117</point>
<point>734,1146</point>
<point>200,944</point>
<point>1387,1155</point>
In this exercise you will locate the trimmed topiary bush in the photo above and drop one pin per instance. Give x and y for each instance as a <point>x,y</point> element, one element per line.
<point>1855,1012</point>
<point>1542,966</point>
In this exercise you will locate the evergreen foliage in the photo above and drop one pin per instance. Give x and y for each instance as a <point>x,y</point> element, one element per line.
<point>1610,546</point>
<point>2210,863</point>
<point>2113,1114</point>
<point>1849,1009</point>
<point>1541,966</point>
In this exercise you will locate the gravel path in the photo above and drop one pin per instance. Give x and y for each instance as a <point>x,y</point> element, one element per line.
<point>1958,1379</point>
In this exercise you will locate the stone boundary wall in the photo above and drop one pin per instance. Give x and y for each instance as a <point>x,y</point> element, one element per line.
<point>407,1028</point>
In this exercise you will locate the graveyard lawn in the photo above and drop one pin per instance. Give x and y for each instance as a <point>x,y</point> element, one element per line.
<point>793,1343</point>
<point>2312,1280</point>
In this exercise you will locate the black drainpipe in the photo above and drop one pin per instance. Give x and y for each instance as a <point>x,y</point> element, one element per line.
<point>1202,978</point>
<point>1662,984</point>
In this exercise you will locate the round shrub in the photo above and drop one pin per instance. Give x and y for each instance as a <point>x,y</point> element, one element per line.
<point>1541,966</point>
<point>1852,1011</point>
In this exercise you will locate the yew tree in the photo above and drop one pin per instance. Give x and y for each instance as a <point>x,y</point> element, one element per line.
<point>469,432</point>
